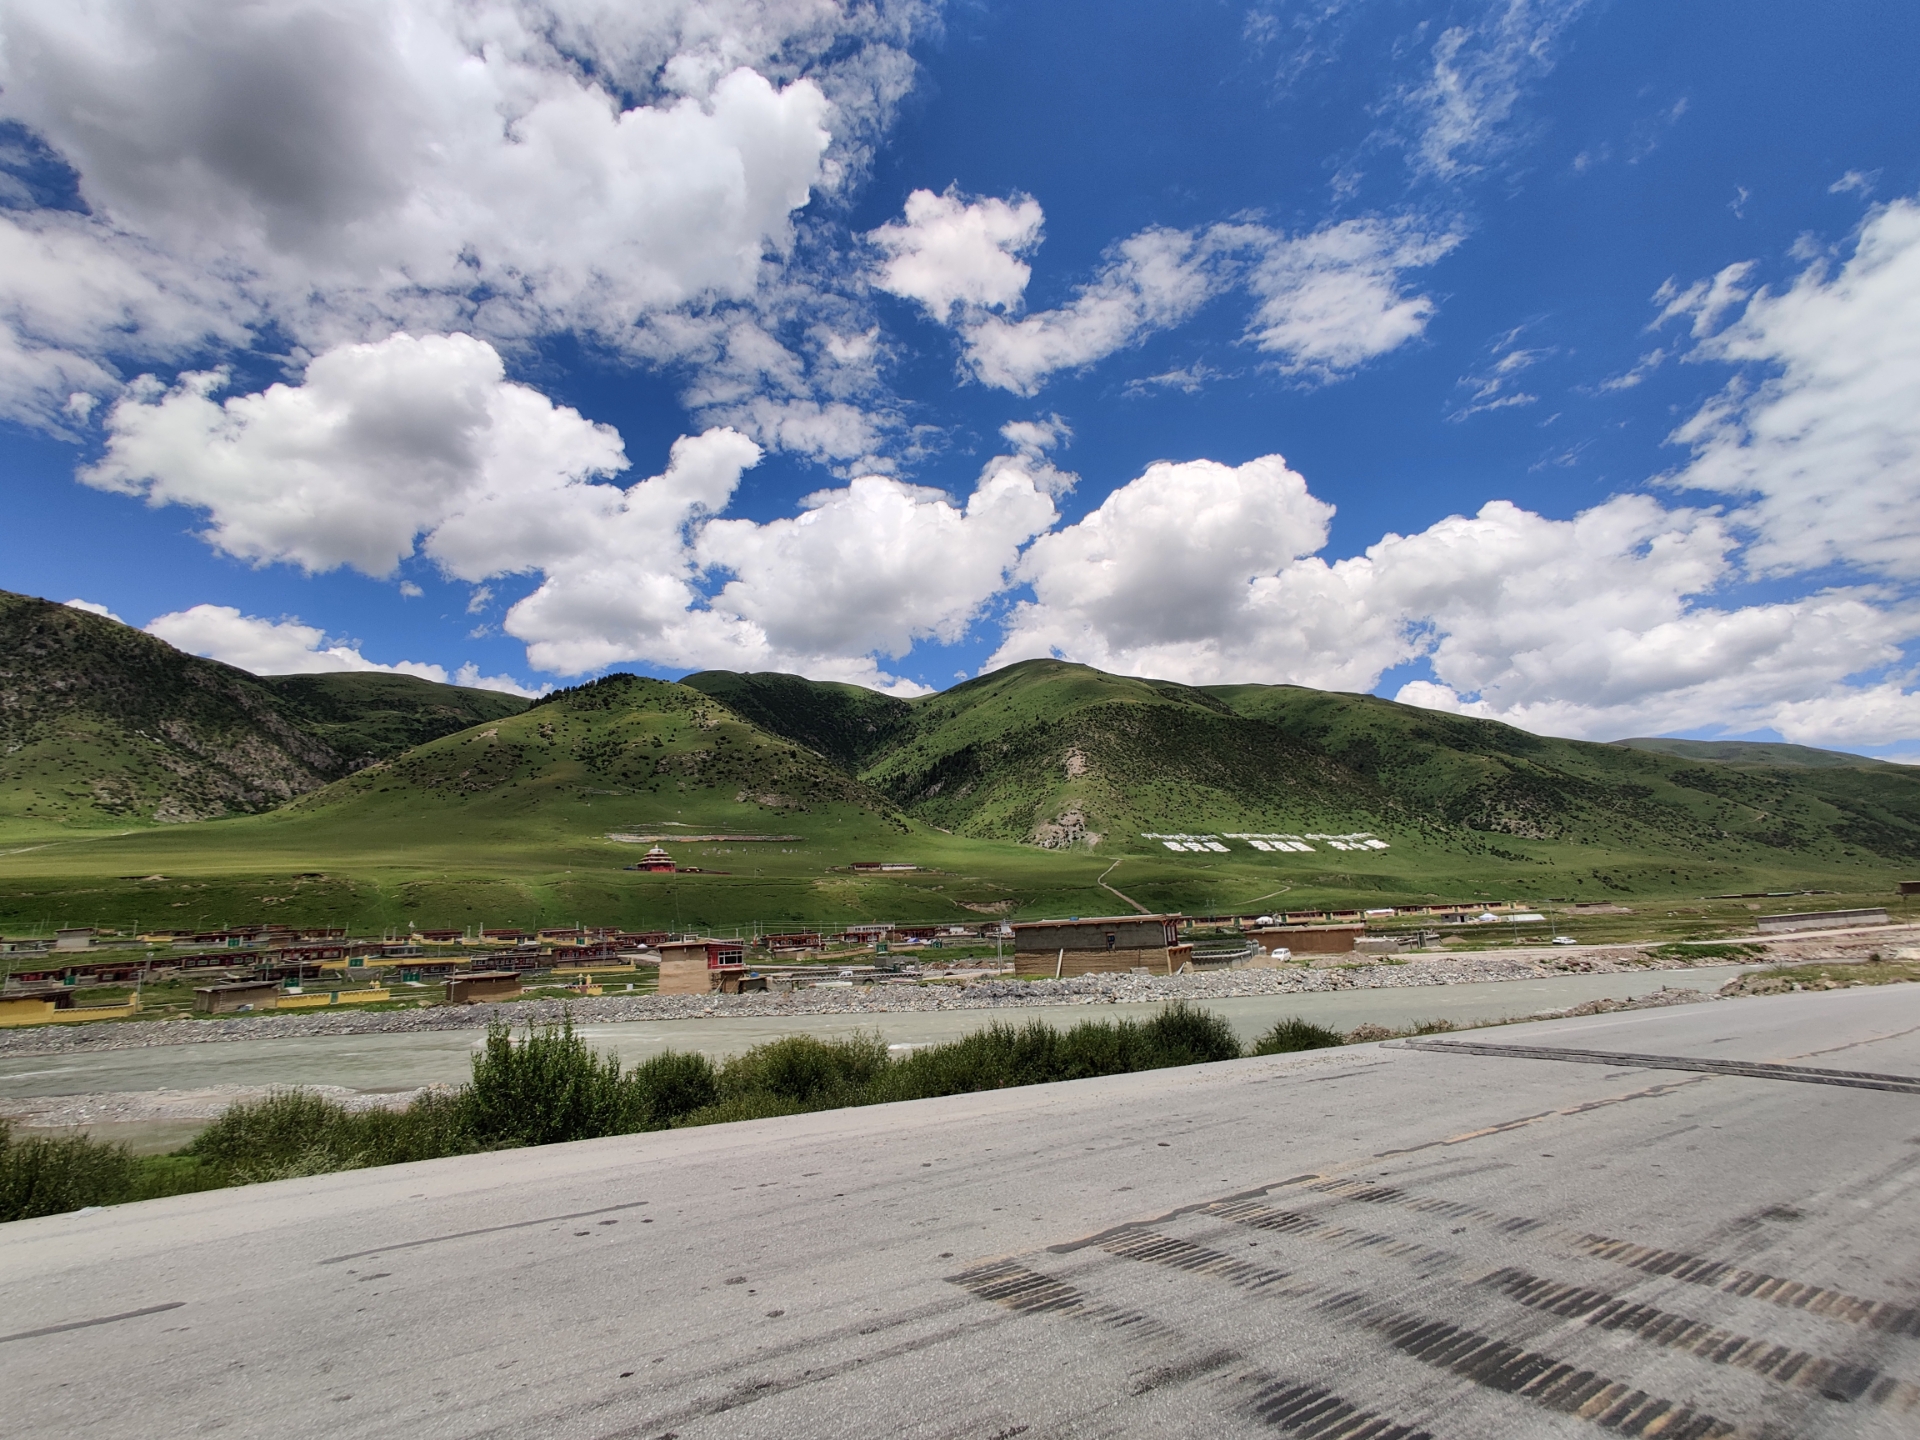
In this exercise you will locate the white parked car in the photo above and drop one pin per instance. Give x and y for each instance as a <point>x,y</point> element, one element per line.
<point>1565,940</point>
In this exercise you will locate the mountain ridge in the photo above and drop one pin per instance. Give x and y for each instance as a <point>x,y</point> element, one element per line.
<point>1752,752</point>
<point>101,723</point>
<point>1057,754</point>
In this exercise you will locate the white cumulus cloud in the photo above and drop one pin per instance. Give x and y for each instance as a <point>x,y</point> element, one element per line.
<point>1597,626</point>
<point>1326,300</point>
<point>867,568</point>
<point>93,607</point>
<point>73,292</point>
<point>1169,576</point>
<point>270,647</point>
<point>1151,281</point>
<point>1820,449</point>
<point>950,251</point>
<point>345,167</point>
<point>379,443</point>
<point>421,445</point>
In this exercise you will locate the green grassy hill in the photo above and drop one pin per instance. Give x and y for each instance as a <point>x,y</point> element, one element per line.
<point>104,725</point>
<point>514,822</point>
<point>1756,752</point>
<point>367,716</point>
<point>623,737</point>
<point>845,723</point>
<point>1057,755</point>
<point>1023,793</point>
<point>1487,779</point>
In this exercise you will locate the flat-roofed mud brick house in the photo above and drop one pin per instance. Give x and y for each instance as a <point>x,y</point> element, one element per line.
<point>1099,945</point>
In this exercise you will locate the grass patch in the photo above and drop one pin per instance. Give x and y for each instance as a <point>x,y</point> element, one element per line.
<point>50,1175</point>
<point>1827,976</point>
<point>1294,1034</point>
<point>1731,950</point>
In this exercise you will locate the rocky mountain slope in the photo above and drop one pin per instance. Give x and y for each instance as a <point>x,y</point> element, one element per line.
<point>104,724</point>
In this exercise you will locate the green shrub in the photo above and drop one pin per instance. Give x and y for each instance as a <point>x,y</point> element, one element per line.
<point>47,1175</point>
<point>289,1133</point>
<point>1103,1047</point>
<point>671,1086</point>
<point>545,1089</point>
<point>1037,1054</point>
<point>989,1059</point>
<point>546,1086</point>
<point>1294,1034</point>
<point>292,1133</point>
<point>812,1074</point>
<point>1182,1034</point>
<point>435,1124</point>
<point>749,1105</point>
<point>157,1176</point>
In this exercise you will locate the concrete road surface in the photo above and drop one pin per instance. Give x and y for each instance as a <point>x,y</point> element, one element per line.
<point>1382,1241</point>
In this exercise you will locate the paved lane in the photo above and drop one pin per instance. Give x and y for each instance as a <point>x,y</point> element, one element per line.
<point>1378,1241</point>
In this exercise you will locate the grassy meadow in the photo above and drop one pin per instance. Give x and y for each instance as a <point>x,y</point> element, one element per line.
<point>392,862</point>
<point>1022,795</point>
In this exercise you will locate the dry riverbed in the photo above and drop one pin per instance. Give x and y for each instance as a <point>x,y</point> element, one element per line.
<point>1413,970</point>
<point>161,1118</point>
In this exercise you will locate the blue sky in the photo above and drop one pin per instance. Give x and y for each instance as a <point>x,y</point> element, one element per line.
<point>1550,362</point>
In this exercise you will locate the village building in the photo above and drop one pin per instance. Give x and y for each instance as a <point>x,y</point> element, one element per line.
<point>240,995</point>
<point>656,860</point>
<point>1099,945</point>
<point>482,986</point>
<point>1822,920</point>
<point>1335,939</point>
<point>699,967</point>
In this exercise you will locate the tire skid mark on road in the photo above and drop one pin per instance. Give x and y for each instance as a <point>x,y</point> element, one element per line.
<point>1257,1192</point>
<point>89,1324</point>
<point>1156,1249</point>
<point>1649,1093</point>
<point>1838,1380</point>
<point>1008,1283</point>
<point>1286,1405</point>
<point>1184,1372</point>
<point>717,1385</point>
<point>1514,1370</point>
<point>1885,1316</point>
<point>1367,1192</point>
<point>1314,1411</point>
<point>1289,1222</point>
<point>1495,1364</point>
<point>1730,1279</point>
<point>736,1392</point>
<point>486,1230</point>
